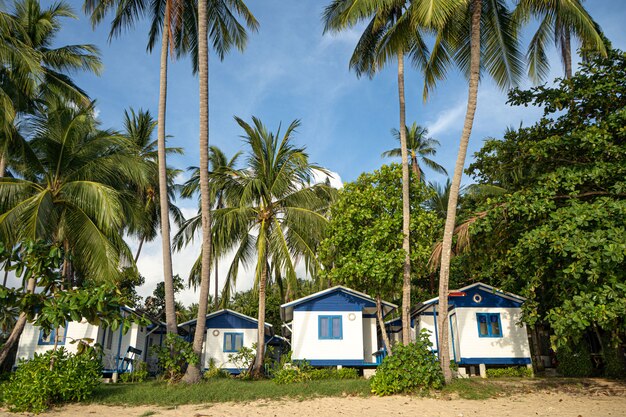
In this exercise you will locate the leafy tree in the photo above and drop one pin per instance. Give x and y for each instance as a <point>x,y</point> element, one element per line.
<point>247,302</point>
<point>560,225</point>
<point>363,248</point>
<point>155,303</point>
<point>420,146</point>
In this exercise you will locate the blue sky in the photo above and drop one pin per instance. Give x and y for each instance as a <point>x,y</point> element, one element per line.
<point>290,70</point>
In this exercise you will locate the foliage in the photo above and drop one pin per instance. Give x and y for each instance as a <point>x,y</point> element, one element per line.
<point>556,236</point>
<point>243,359</point>
<point>363,247</point>
<point>411,368</point>
<point>155,303</point>
<point>138,374</point>
<point>575,360</point>
<point>215,373</point>
<point>513,371</point>
<point>614,361</point>
<point>174,356</point>
<point>37,384</point>
<point>247,302</point>
<point>291,375</point>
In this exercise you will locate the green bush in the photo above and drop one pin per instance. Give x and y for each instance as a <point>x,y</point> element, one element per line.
<point>614,363</point>
<point>174,357</point>
<point>513,371</point>
<point>291,375</point>
<point>139,373</point>
<point>575,361</point>
<point>410,368</point>
<point>35,387</point>
<point>214,372</point>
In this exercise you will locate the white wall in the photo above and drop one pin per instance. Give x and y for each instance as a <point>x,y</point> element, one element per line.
<point>131,338</point>
<point>214,346</point>
<point>370,339</point>
<point>306,345</point>
<point>428,323</point>
<point>512,344</point>
<point>28,346</point>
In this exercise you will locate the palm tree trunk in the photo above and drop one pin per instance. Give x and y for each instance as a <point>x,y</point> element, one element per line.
<point>415,167</point>
<point>170,308</point>
<point>139,248</point>
<point>444,273</point>
<point>406,213</point>
<point>17,329</point>
<point>257,369</point>
<point>3,164</point>
<point>381,324</point>
<point>217,292</point>
<point>193,372</point>
<point>7,265</point>
<point>566,53</point>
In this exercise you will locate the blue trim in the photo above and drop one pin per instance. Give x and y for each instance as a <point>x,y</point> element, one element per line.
<point>436,331</point>
<point>329,327</point>
<point>52,336</point>
<point>369,316</point>
<point>342,362</point>
<point>452,334</point>
<point>495,361</point>
<point>119,349</point>
<point>337,300</point>
<point>233,341</point>
<point>488,321</point>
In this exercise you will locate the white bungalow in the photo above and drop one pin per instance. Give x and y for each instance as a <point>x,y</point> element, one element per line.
<point>485,326</point>
<point>227,331</point>
<point>120,350</point>
<point>334,327</point>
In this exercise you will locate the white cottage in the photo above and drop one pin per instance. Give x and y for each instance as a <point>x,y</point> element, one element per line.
<point>485,326</point>
<point>135,344</point>
<point>227,331</point>
<point>334,327</point>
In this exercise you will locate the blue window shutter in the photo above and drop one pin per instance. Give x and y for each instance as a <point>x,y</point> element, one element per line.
<point>336,327</point>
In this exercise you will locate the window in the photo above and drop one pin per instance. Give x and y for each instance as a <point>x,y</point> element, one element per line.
<point>489,324</point>
<point>109,338</point>
<point>233,342</point>
<point>329,327</point>
<point>49,339</point>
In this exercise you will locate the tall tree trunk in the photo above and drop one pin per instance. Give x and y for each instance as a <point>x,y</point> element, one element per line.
<point>566,53</point>
<point>170,308</point>
<point>193,372</point>
<point>3,163</point>
<point>444,273</point>
<point>415,167</point>
<point>381,324</point>
<point>406,213</point>
<point>217,291</point>
<point>257,369</point>
<point>139,248</point>
<point>7,265</point>
<point>14,337</point>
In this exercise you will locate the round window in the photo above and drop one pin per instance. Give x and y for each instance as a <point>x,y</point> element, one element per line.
<point>216,332</point>
<point>477,298</point>
<point>351,316</point>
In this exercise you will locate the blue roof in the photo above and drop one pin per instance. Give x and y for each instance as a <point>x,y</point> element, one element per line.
<point>227,319</point>
<point>478,295</point>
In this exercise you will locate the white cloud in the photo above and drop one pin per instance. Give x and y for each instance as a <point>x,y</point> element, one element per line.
<point>451,118</point>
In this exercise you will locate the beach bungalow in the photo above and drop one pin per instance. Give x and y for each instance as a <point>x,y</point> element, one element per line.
<point>485,327</point>
<point>227,331</point>
<point>120,350</point>
<point>334,327</point>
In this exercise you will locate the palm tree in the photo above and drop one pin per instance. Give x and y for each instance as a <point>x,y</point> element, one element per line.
<point>390,33</point>
<point>33,31</point>
<point>559,21</point>
<point>420,146</point>
<point>144,219</point>
<point>226,32</point>
<point>480,34</point>
<point>166,19</point>
<point>218,163</point>
<point>274,215</point>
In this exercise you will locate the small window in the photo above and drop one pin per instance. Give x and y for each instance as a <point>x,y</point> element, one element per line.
<point>330,327</point>
<point>49,339</point>
<point>489,324</point>
<point>233,342</point>
<point>109,338</point>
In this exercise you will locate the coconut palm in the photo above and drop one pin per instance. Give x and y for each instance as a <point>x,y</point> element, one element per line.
<point>165,21</point>
<point>478,35</point>
<point>420,146</point>
<point>225,33</point>
<point>390,34</point>
<point>41,69</point>
<point>560,20</point>
<point>274,214</point>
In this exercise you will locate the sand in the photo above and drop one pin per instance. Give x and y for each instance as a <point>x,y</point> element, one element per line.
<point>533,404</point>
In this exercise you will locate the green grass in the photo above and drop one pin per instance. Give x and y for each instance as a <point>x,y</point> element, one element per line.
<point>475,389</point>
<point>220,390</point>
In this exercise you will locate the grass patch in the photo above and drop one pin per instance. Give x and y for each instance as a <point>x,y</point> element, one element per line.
<point>474,389</point>
<point>148,413</point>
<point>221,390</point>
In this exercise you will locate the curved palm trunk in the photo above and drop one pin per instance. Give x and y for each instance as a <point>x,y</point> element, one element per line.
<point>415,167</point>
<point>444,273</point>
<point>406,213</point>
<point>257,369</point>
<point>381,324</point>
<point>17,329</point>
<point>170,308</point>
<point>566,53</point>
<point>217,293</point>
<point>193,372</point>
<point>139,248</point>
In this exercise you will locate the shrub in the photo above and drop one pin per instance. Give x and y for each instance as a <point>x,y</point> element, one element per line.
<point>575,361</point>
<point>35,387</point>
<point>174,357</point>
<point>243,359</point>
<point>513,371</point>
<point>139,373</point>
<point>613,358</point>
<point>410,368</point>
<point>291,375</point>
